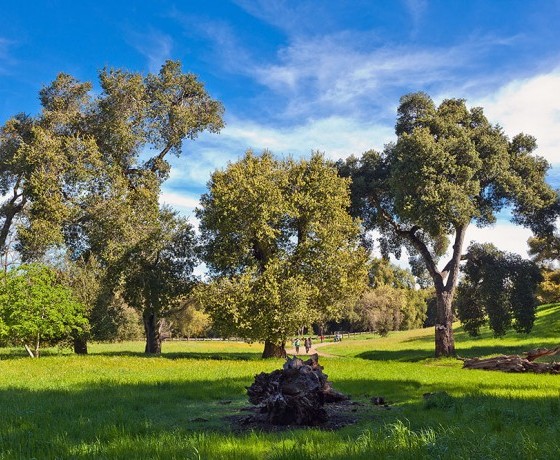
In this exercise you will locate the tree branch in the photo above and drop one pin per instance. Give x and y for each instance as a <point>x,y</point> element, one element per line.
<point>420,246</point>
<point>452,266</point>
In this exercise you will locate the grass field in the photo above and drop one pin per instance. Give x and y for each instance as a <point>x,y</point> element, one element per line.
<point>117,403</point>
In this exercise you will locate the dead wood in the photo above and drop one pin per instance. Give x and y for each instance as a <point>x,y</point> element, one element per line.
<point>295,394</point>
<point>517,363</point>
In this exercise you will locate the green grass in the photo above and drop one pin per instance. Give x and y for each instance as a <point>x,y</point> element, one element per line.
<point>117,403</point>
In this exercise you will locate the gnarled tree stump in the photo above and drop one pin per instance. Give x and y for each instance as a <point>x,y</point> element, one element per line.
<point>517,363</point>
<point>295,394</point>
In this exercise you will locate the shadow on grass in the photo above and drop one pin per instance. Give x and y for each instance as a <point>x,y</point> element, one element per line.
<point>180,419</point>
<point>14,354</point>
<point>235,356</point>
<point>409,355</point>
<point>74,423</point>
<point>412,355</point>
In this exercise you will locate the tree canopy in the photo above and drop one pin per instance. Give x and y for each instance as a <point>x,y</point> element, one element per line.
<point>450,167</point>
<point>281,247</point>
<point>157,271</point>
<point>35,307</point>
<point>498,289</point>
<point>85,174</point>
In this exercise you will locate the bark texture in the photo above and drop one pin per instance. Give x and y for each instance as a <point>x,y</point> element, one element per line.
<point>80,346</point>
<point>153,333</point>
<point>273,350</point>
<point>517,363</point>
<point>444,340</point>
<point>295,394</point>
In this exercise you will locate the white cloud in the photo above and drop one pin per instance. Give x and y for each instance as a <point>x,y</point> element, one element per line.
<point>531,106</point>
<point>416,9</point>
<point>182,202</point>
<point>335,136</point>
<point>6,58</point>
<point>504,235</point>
<point>154,45</point>
<point>332,73</point>
<point>179,200</point>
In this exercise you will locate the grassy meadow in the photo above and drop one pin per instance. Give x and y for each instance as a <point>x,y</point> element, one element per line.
<point>118,404</point>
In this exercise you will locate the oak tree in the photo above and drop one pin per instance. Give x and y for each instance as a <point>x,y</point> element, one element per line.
<point>449,168</point>
<point>85,174</point>
<point>281,247</point>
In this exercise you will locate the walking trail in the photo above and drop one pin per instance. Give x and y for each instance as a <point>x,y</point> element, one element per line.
<point>313,349</point>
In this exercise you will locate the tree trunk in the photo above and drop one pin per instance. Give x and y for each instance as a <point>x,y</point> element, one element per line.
<point>272,350</point>
<point>37,343</point>
<point>445,343</point>
<point>80,345</point>
<point>153,337</point>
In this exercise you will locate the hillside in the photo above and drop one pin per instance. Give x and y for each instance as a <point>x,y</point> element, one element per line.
<point>418,344</point>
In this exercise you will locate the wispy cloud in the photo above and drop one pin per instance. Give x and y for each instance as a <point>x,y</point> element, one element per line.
<point>416,9</point>
<point>292,18</point>
<point>179,200</point>
<point>153,44</point>
<point>6,58</point>
<point>337,137</point>
<point>225,50</point>
<point>532,106</point>
<point>329,74</point>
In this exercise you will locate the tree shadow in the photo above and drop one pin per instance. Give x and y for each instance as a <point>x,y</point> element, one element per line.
<point>215,356</point>
<point>63,423</point>
<point>170,419</point>
<point>410,355</point>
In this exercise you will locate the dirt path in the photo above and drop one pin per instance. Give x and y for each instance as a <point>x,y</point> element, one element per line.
<point>313,349</point>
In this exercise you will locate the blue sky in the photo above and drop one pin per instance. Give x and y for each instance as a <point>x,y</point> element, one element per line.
<point>297,76</point>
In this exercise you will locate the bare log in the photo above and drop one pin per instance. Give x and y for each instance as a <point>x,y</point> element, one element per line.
<point>539,352</point>
<point>517,363</point>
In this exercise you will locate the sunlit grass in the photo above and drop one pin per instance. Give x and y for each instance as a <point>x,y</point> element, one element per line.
<point>118,403</point>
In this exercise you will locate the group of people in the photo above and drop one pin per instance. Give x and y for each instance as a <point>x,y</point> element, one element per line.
<point>306,343</point>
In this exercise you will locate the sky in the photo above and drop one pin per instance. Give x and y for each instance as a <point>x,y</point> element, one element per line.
<point>299,76</point>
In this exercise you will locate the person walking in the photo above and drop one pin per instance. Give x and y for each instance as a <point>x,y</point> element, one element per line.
<point>296,344</point>
<point>307,344</point>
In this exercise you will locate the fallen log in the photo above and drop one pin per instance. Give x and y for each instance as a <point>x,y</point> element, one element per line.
<point>517,363</point>
<point>295,394</point>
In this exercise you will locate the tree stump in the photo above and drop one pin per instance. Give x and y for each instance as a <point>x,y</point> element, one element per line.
<point>516,363</point>
<point>295,394</point>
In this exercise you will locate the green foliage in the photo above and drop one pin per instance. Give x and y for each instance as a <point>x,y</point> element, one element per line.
<point>450,167</point>
<point>379,309</point>
<point>85,174</point>
<point>35,307</point>
<point>190,320</point>
<point>281,246</point>
<point>387,308</point>
<point>499,287</point>
<point>383,272</point>
<point>157,271</point>
<point>549,288</point>
<point>545,250</point>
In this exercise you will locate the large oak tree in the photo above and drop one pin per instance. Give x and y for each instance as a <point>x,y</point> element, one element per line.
<point>282,249</point>
<point>449,168</point>
<point>85,174</point>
